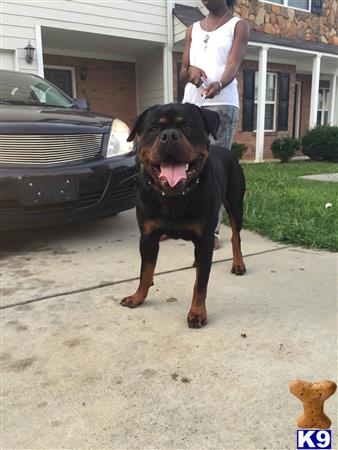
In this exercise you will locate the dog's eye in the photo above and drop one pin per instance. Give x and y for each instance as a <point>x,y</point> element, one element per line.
<point>154,130</point>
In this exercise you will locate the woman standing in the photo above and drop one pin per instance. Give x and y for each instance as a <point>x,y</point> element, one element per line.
<point>213,52</point>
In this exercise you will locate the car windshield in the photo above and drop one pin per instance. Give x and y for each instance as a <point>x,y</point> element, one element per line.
<point>25,89</point>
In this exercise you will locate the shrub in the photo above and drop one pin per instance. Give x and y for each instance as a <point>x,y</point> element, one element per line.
<point>321,143</point>
<point>285,148</point>
<point>238,149</point>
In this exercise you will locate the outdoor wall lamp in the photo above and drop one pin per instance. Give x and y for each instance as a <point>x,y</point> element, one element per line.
<point>83,73</point>
<point>29,52</point>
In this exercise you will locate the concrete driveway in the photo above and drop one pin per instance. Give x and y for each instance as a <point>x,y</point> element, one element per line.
<point>81,372</point>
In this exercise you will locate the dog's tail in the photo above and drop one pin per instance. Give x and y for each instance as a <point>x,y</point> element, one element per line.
<point>235,192</point>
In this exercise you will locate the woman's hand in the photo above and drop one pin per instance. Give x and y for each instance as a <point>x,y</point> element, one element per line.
<point>196,75</point>
<point>212,90</point>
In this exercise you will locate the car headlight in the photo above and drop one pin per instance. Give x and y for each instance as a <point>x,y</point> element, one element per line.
<point>118,144</point>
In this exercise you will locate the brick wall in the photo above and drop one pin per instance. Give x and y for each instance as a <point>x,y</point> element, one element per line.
<point>110,87</point>
<point>291,23</point>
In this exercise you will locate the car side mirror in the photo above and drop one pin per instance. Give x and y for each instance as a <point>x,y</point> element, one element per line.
<point>81,103</point>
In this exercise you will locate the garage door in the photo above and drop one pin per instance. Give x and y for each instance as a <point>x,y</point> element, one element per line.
<point>7,59</point>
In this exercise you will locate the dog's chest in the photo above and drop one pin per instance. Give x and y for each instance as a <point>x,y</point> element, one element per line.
<point>181,223</point>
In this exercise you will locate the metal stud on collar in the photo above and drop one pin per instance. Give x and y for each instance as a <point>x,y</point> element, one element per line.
<point>183,193</point>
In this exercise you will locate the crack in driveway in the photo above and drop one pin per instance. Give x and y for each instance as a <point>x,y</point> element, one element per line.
<point>127,280</point>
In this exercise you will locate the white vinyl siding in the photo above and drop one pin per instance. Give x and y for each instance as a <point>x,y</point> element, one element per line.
<point>7,60</point>
<point>179,30</point>
<point>144,20</point>
<point>150,81</point>
<point>127,18</point>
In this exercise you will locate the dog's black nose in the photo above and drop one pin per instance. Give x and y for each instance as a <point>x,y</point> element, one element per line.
<point>170,136</point>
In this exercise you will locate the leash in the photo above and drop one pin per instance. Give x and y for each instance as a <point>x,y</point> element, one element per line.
<point>202,101</point>
<point>203,97</point>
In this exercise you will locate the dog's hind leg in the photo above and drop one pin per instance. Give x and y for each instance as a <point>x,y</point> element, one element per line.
<point>149,246</point>
<point>238,266</point>
<point>197,316</point>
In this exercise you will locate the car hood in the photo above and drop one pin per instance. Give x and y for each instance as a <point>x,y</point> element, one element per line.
<point>49,120</point>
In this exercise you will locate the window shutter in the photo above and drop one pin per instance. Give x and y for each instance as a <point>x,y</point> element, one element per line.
<point>317,6</point>
<point>180,84</point>
<point>248,99</point>
<point>283,110</point>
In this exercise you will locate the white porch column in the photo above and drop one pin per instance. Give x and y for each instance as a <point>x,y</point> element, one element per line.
<point>262,72</point>
<point>39,50</point>
<point>168,56</point>
<point>333,100</point>
<point>315,91</point>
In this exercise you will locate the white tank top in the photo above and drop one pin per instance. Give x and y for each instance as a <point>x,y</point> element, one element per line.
<point>213,61</point>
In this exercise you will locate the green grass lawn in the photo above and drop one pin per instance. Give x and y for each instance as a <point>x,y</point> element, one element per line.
<point>291,210</point>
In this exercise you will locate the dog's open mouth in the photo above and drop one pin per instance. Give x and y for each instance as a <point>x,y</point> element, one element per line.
<point>175,173</point>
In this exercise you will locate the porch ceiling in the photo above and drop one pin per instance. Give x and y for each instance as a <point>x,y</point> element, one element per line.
<point>75,43</point>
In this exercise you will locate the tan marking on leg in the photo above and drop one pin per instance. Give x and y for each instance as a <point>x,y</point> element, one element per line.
<point>197,316</point>
<point>195,228</point>
<point>150,225</point>
<point>238,266</point>
<point>146,282</point>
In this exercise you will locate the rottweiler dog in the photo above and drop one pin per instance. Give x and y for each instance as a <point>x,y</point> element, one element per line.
<point>182,182</point>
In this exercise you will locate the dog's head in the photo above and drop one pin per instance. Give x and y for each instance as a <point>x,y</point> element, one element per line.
<point>173,142</point>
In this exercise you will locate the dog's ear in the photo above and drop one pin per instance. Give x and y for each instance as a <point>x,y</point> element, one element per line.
<point>138,124</point>
<point>212,121</point>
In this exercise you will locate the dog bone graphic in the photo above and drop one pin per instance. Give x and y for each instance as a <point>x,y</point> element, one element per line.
<point>313,396</point>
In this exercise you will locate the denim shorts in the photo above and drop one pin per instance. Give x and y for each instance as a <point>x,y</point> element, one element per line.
<point>229,116</point>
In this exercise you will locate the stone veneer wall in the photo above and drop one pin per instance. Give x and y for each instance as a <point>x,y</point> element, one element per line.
<point>290,23</point>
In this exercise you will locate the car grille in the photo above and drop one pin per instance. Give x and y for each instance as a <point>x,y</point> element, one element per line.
<point>49,148</point>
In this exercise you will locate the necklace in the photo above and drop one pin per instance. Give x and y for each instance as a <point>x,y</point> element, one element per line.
<point>207,36</point>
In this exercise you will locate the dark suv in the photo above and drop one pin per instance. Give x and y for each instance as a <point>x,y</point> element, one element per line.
<point>58,162</point>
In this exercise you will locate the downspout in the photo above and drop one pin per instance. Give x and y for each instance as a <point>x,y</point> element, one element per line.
<point>39,51</point>
<point>168,56</point>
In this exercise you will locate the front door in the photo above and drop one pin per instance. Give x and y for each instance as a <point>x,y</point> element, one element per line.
<point>62,78</point>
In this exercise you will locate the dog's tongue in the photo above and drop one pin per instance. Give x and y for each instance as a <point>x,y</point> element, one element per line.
<point>173,173</point>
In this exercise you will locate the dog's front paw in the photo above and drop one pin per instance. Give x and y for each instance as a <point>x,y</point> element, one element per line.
<point>238,268</point>
<point>197,317</point>
<point>132,301</point>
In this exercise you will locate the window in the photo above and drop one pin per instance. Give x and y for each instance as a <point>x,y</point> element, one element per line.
<point>323,107</point>
<point>27,89</point>
<point>297,4</point>
<point>270,101</point>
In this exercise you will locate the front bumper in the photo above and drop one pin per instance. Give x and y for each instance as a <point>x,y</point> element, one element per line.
<point>100,188</point>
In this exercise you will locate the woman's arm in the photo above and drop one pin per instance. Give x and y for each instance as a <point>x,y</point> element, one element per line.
<point>235,59</point>
<point>190,73</point>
